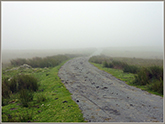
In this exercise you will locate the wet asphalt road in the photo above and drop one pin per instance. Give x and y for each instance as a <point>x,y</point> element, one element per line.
<point>104,98</point>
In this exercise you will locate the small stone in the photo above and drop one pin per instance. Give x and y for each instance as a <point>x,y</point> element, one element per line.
<point>93,83</point>
<point>64,101</point>
<point>105,88</point>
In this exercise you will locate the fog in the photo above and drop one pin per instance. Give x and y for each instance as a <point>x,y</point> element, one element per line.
<point>67,25</point>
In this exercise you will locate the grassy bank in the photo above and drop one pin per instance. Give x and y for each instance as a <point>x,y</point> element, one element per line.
<point>148,78</point>
<point>50,103</point>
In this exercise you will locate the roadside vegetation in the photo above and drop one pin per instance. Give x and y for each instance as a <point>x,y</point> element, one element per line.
<point>34,92</point>
<point>36,62</point>
<point>146,74</point>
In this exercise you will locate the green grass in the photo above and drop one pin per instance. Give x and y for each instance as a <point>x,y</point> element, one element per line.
<point>48,102</point>
<point>128,78</point>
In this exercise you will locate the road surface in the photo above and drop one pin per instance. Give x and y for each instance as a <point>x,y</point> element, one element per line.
<point>104,98</point>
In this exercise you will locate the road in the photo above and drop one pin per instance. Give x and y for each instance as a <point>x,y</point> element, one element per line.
<point>104,98</point>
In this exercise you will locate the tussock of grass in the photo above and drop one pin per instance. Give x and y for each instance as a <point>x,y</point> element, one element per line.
<point>151,78</point>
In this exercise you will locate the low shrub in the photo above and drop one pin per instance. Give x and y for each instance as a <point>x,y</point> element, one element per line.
<point>114,64</point>
<point>156,72</point>
<point>142,77</point>
<point>27,82</point>
<point>130,69</point>
<point>5,91</point>
<point>25,97</point>
<point>24,85</point>
<point>14,84</point>
<point>23,82</point>
<point>152,77</point>
<point>118,64</point>
<point>18,61</point>
<point>110,65</point>
<point>156,85</point>
<point>105,64</point>
<point>145,74</point>
<point>5,88</point>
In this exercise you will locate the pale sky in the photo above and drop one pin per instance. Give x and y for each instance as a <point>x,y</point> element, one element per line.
<point>59,25</point>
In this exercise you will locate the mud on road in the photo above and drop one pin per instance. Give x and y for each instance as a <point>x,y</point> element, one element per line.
<point>104,98</point>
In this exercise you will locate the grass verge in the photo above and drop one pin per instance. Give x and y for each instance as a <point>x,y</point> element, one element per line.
<point>128,78</point>
<point>51,103</point>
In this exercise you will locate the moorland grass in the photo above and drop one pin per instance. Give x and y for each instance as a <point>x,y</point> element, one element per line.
<point>35,62</point>
<point>130,61</point>
<point>52,102</point>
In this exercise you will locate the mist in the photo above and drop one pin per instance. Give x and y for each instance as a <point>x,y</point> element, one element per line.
<point>69,25</point>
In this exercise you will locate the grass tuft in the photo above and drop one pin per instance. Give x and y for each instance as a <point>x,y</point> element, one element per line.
<point>25,97</point>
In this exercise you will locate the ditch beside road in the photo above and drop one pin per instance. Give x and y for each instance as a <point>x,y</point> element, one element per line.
<point>104,98</point>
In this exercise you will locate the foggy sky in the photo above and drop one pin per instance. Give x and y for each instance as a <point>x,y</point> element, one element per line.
<point>58,25</point>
